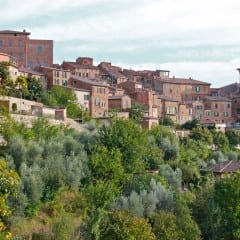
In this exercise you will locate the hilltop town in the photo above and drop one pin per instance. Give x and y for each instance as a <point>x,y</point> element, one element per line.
<point>104,88</point>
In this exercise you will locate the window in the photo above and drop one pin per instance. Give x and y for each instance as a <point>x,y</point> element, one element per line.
<point>216,105</point>
<point>197,88</point>
<point>235,101</point>
<point>216,114</point>
<point>198,98</point>
<point>86,74</point>
<point>20,57</point>
<point>39,49</point>
<point>64,82</point>
<point>207,114</point>
<point>225,114</point>
<point>238,111</point>
<point>20,43</point>
<point>86,97</point>
<point>45,64</point>
<point>228,105</point>
<point>30,64</point>
<point>199,107</point>
<point>1,43</point>
<point>10,43</point>
<point>79,74</point>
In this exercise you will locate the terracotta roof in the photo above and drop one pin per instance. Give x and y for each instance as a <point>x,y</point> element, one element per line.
<point>93,82</point>
<point>117,97</point>
<point>229,166</point>
<point>182,81</point>
<point>14,32</point>
<point>217,99</point>
<point>78,65</point>
<point>166,98</point>
<point>27,70</point>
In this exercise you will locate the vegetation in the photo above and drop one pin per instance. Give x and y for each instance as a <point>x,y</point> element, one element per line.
<point>115,181</point>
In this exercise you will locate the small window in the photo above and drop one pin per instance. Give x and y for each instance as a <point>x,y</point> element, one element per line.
<point>20,57</point>
<point>216,105</point>
<point>45,64</point>
<point>40,49</point>
<point>20,43</point>
<point>225,114</point>
<point>86,74</point>
<point>216,114</point>
<point>64,82</point>
<point>197,88</point>
<point>1,43</point>
<point>198,98</point>
<point>86,97</point>
<point>30,64</point>
<point>10,43</point>
<point>228,105</point>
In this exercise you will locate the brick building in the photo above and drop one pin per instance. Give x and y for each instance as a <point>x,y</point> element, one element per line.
<point>55,76</point>
<point>217,110</point>
<point>28,52</point>
<point>181,88</point>
<point>120,103</point>
<point>98,92</point>
<point>29,73</point>
<point>83,67</point>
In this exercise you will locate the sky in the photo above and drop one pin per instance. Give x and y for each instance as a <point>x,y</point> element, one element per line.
<point>191,38</point>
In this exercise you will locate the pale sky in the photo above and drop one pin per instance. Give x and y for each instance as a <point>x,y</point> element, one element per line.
<point>191,38</point>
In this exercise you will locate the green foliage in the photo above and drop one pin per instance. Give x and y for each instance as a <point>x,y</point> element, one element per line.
<point>185,222</point>
<point>35,89</point>
<point>14,107</point>
<point>144,203</point>
<point>227,199</point>
<point>136,112</point>
<point>4,75</point>
<point>165,226</point>
<point>9,181</point>
<point>122,225</point>
<point>233,137</point>
<point>129,139</point>
<point>202,134</point>
<point>190,125</point>
<point>174,178</point>
<point>220,141</point>
<point>166,121</point>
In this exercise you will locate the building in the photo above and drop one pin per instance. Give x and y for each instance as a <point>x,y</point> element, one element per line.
<point>98,93</point>
<point>29,53</point>
<point>29,73</point>
<point>222,168</point>
<point>181,88</point>
<point>119,103</point>
<point>217,110</point>
<point>83,67</point>
<point>55,76</point>
<point>13,66</point>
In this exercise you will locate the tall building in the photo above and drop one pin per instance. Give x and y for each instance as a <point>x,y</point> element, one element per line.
<point>29,53</point>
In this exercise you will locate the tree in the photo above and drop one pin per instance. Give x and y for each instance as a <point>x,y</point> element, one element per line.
<point>221,141</point>
<point>202,134</point>
<point>35,89</point>
<point>227,199</point>
<point>164,226</point>
<point>4,74</point>
<point>189,125</point>
<point>122,225</point>
<point>233,137</point>
<point>166,121</point>
<point>9,181</point>
<point>136,112</point>
<point>129,138</point>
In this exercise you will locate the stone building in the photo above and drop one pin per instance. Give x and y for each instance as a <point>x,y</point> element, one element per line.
<point>98,94</point>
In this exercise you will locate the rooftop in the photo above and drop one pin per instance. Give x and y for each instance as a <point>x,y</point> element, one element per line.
<point>93,82</point>
<point>217,99</point>
<point>166,98</point>
<point>14,32</point>
<point>182,81</point>
<point>228,166</point>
